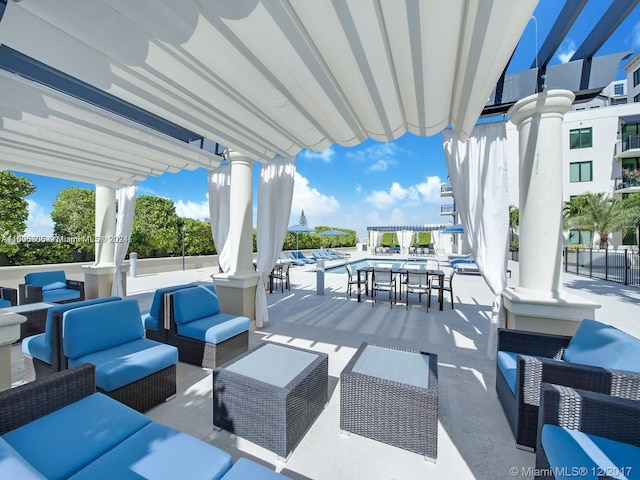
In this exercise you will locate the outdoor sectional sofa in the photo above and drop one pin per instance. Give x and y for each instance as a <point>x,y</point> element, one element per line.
<point>61,428</point>
<point>155,320</point>
<point>598,358</point>
<point>42,353</point>
<point>138,372</point>
<point>50,287</point>
<point>8,297</point>
<point>203,334</point>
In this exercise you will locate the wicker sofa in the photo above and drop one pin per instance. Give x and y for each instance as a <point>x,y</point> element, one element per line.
<point>8,297</point>
<point>587,435</point>
<point>155,321</point>
<point>598,358</point>
<point>61,428</point>
<point>50,287</point>
<point>42,353</point>
<point>203,334</point>
<point>138,372</point>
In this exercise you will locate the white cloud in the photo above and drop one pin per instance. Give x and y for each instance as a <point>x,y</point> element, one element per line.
<point>39,222</point>
<point>379,156</point>
<point>633,40</point>
<point>414,195</point>
<point>358,188</point>
<point>567,49</point>
<point>316,205</point>
<point>325,155</point>
<point>189,209</point>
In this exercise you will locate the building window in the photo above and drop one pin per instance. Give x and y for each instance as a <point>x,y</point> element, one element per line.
<point>580,138</point>
<point>636,99</point>
<point>580,237</point>
<point>636,77</point>
<point>581,172</point>
<point>618,89</point>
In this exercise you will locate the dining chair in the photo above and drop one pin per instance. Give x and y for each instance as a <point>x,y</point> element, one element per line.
<point>282,275</point>
<point>353,280</point>
<point>417,283</point>
<point>383,280</point>
<point>447,286</point>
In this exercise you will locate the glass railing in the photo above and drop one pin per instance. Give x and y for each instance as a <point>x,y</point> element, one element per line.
<point>629,142</point>
<point>626,182</point>
<point>444,188</point>
<point>447,209</point>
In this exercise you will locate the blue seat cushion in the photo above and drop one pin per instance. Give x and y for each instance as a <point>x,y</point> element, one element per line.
<point>99,327</point>
<point>129,362</point>
<point>13,466</point>
<point>65,441</point>
<point>37,347</point>
<point>4,303</point>
<point>54,286</point>
<point>601,345</point>
<point>149,322</point>
<point>215,328</point>
<point>574,449</point>
<point>508,365</point>
<point>45,278</point>
<point>159,452</point>
<point>191,304</point>
<point>246,469</point>
<point>60,295</point>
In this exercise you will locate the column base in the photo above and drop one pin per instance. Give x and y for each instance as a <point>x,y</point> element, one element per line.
<point>9,333</point>
<point>542,312</point>
<point>237,294</point>
<point>98,280</point>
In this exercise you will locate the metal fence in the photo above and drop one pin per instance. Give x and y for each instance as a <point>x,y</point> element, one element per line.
<point>621,266</point>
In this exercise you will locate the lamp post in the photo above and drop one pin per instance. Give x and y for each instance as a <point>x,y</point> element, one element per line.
<point>183,228</point>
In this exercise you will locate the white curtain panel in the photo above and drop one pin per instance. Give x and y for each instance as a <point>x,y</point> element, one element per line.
<point>124,223</point>
<point>404,239</point>
<point>219,212</point>
<point>274,208</point>
<point>478,172</point>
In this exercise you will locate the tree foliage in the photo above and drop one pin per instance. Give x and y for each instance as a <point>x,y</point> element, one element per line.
<point>197,237</point>
<point>631,214</point>
<point>14,208</point>
<point>74,216</point>
<point>595,212</point>
<point>155,230</point>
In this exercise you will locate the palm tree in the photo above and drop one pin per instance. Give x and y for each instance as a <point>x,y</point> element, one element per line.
<point>631,214</point>
<point>595,212</point>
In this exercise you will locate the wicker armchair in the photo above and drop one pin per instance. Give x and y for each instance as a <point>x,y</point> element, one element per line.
<point>592,413</point>
<point>51,287</point>
<point>539,361</point>
<point>8,297</point>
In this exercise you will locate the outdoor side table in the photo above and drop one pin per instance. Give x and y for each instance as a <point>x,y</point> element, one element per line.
<point>390,395</point>
<point>271,395</point>
<point>36,314</point>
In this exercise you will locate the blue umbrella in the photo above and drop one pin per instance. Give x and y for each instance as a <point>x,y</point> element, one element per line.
<point>300,229</point>
<point>457,228</point>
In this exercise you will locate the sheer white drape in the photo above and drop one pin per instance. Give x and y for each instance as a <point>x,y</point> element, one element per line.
<point>219,203</point>
<point>404,239</point>
<point>124,221</point>
<point>274,208</point>
<point>478,173</point>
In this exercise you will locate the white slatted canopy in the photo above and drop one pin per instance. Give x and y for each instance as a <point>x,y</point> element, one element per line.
<point>277,76</point>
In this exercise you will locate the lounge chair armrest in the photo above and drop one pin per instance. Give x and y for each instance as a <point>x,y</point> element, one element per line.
<point>532,343</point>
<point>33,400</point>
<point>590,412</point>
<point>29,293</point>
<point>77,285</point>
<point>10,294</point>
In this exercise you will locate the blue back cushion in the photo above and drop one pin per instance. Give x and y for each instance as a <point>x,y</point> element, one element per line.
<point>601,345</point>
<point>45,278</point>
<point>192,304</point>
<point>60,309</point>
<point>156,305</point>
<point>99,327</point>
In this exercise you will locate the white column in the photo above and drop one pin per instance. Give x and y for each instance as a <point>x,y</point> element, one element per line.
<point>241,214</point>
<point>98,277</point>
<point>539,303</point>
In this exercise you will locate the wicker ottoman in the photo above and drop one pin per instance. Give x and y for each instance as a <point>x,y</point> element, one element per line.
<point>271,395</point>
<point>390,395</point>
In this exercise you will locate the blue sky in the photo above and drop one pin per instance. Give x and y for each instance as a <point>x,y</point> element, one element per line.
<point>375,183</point>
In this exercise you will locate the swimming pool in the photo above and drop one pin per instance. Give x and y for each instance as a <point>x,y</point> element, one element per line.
<point>374,262</point>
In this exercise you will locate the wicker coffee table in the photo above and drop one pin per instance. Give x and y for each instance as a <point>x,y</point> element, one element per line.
<point>36,314</point>
<point>271,395</point>
<point>390,395</point>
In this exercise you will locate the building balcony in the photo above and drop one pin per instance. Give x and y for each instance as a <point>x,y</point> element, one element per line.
<point>446,190</point>
<point>448,210</point>
<point>626,184</point>
<point>628,148</point>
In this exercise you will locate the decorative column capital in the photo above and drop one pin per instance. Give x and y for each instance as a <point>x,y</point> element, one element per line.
<point>236,157</point>
<point>550,102</point>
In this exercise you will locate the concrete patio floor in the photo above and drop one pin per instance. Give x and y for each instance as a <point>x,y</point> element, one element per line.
<point>474,439</point>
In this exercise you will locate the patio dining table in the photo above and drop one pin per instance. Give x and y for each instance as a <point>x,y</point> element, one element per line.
<point>404,271</point>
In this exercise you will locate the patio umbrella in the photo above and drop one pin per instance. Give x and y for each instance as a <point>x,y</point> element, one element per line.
<point>457,228</point>
<point>300,229</point>
<point>333,233</point>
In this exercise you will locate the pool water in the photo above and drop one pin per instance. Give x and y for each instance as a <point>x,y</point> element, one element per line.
<point>374,262</point>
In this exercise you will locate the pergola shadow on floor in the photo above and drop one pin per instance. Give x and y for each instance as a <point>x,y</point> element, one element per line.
<point>474,439</point>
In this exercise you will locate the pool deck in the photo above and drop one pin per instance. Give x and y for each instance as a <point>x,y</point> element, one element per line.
<point>474,439</point>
